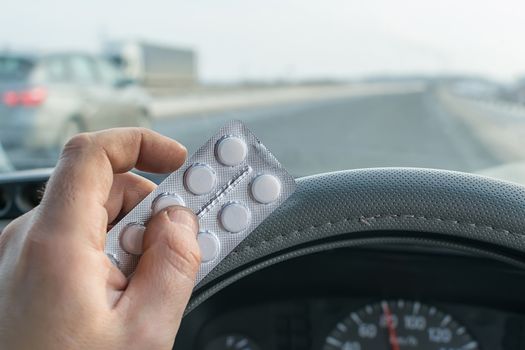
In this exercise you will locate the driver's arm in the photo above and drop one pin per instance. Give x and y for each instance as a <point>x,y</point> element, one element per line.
<point>58,290</point>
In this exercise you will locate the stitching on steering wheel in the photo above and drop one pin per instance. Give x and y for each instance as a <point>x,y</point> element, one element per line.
<point>366,221</point>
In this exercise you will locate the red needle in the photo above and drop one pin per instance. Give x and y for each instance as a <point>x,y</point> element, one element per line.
<point>392,335</point>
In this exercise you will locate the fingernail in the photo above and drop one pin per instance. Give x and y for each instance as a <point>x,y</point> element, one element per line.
<point>183,216</point>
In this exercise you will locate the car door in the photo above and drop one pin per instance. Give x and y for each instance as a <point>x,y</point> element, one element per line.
<point>96,107</point>
<point>122,101</point>
<point>63,98</point>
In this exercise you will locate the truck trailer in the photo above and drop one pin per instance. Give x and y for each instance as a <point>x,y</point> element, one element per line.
<point>156,67</point>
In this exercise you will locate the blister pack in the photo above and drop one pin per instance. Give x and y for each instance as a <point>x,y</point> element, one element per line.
<point>232,183</point>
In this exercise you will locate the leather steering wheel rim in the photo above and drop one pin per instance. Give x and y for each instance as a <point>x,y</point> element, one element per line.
<point>382,205</point>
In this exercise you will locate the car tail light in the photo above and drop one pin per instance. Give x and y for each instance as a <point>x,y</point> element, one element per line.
<point>33,97</point>
<point>10,98</point>
<point>27,98</point>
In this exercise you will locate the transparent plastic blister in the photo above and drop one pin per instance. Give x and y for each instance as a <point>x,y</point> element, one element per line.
<point>232,183</point>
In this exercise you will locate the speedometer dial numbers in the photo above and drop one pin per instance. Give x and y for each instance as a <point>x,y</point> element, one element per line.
<point>399,325</point>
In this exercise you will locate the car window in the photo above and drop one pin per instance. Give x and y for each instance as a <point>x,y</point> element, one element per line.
<point>83,70</point>
<point>108,73</point>
<point>14,68</point>
<point>56,70</point>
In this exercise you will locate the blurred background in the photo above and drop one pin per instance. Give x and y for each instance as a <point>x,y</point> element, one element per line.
<point>326,85</point>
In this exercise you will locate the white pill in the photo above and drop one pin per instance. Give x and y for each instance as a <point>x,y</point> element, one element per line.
<point>131,238</point>
<point>209,246</point>
<point>199,179</point>
<point>231,150</point>
<point>266,188</point>
<point>166,200</point>
<point>235,217</point>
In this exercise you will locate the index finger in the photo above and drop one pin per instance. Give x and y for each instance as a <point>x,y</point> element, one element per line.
<point>82,179</point>
<point>126,148</point>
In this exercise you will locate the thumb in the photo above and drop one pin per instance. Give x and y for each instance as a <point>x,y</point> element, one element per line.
<point>164,278</point>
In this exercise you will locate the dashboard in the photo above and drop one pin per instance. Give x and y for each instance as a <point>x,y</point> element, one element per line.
<point>400,296</point>
<point>367,299</point>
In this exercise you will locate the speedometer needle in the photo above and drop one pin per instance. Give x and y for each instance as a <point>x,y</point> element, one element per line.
<point>392,335</point>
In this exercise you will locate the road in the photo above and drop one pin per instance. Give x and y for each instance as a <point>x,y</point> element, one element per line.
<point>406,129</point>
<point>410,128</point>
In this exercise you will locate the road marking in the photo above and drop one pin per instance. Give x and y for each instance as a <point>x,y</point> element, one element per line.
<point>460,331</point>
<point>342,327</point>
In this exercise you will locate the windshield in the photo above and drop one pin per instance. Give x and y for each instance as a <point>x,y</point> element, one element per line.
<point>326,85</point>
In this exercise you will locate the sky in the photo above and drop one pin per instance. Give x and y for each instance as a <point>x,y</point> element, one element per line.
<point>289,39</point>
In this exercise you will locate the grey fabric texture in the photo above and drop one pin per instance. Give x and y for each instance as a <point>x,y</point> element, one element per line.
<point>450,204</point>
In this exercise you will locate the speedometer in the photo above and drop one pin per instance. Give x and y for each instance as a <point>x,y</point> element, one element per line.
<point>399,325</point>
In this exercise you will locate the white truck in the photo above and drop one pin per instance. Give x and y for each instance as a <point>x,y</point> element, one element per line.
<point>156,67</point>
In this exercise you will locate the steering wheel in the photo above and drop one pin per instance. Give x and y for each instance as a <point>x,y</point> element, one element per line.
<point>434,208</point>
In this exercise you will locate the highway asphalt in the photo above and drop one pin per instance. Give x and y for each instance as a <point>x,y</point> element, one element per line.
<point>409,128</point>
<point>398,129</point>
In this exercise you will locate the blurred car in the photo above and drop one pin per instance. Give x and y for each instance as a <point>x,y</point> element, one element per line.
<point>45,99</point>
<point>5,164</point>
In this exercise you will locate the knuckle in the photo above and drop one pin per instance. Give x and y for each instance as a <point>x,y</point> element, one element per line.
<point>82,145</point>
<point>142,130</point>
<point>78,142</point>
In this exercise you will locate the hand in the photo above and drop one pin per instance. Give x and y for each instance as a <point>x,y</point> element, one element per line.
<point>58,290</point>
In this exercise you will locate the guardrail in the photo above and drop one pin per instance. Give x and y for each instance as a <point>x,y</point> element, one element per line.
<point>500,125</point>
<point>496,108</point>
